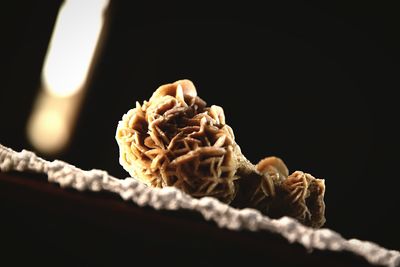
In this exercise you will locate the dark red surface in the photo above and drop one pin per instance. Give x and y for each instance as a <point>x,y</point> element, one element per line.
<point>43,224</point>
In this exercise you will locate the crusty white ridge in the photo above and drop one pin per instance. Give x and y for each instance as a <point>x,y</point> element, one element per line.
<point>170,198</point>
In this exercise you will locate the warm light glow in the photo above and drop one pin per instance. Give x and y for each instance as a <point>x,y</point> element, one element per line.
<point>48,129</point>
<point>66,69</point>
<point>72,46</point>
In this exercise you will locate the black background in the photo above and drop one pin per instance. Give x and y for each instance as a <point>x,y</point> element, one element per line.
<point>311,83</point>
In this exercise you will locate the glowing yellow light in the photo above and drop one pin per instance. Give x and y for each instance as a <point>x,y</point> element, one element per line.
<point>72,46</point>
<point>48,130</point>
<point>67,65</point>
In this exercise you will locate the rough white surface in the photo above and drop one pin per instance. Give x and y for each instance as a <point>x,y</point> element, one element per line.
<point>169,198</point>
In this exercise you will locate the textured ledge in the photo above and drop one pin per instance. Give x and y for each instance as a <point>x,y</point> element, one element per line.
<point>223,215</point>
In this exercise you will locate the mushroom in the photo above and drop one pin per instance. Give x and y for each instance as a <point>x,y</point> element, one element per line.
<point>175,139</point>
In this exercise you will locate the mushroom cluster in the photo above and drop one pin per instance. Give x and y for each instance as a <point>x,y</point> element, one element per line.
<point>175,139</point>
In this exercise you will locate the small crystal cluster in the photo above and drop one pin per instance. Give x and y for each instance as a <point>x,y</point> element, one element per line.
<point>175,139</point>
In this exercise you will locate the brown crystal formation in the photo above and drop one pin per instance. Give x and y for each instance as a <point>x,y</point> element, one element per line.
<point>175,139</point>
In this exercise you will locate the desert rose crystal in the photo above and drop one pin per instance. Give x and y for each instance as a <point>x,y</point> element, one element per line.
<point>175,139</point>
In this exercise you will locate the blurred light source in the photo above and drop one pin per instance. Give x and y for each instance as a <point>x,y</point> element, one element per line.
<point>48,127</point>
<point>70,56</point>
<point>72,45</point>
